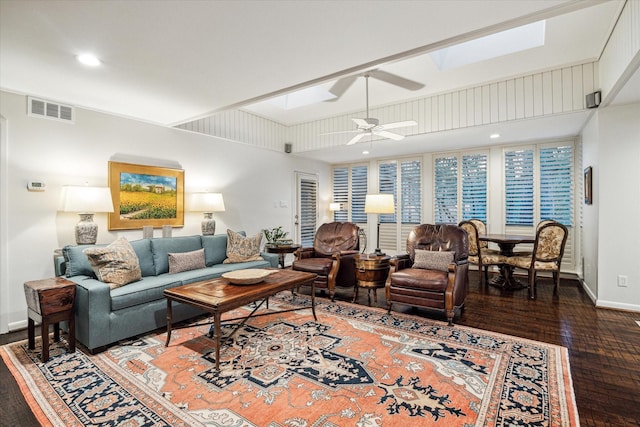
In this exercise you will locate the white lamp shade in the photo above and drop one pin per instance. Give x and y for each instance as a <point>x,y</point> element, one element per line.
<point>379,204</point>
<point>86,199</point>
<point>207,202</point>
<point>334,207</point>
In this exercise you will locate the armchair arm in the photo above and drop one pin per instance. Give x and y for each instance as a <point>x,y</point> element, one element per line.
<point>304,253</point>
<point>403,261</point>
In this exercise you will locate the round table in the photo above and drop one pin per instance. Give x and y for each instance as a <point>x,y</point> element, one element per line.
<point>281,250</point>
<point>371,273</point>
<point>506,243</point>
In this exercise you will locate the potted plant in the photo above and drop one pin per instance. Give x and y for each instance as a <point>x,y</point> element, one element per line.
<point>276,236</point>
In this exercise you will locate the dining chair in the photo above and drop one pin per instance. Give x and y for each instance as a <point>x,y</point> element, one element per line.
<point>479,252</point>
<point>540,224</point>
<point>548,250</point>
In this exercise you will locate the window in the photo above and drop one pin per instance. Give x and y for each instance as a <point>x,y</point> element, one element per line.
<point>403,179</point>
<point>350,189</point>
<point>460,187</point>
<point>545,191</point>
<point>518,170</point>
<point>556,184</point>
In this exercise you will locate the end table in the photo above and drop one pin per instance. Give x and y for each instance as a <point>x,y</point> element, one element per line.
<point>50,301</point>
<point>282,251</point>
<point>371,273</point>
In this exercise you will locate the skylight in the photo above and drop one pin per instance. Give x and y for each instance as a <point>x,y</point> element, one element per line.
<point>491,46</point>
<point>300,98</point>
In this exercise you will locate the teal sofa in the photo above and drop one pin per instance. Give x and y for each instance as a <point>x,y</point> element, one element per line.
<point>105,315</point>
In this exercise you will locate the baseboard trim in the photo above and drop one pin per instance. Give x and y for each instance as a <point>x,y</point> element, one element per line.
<point>590,293</point>
<point>16,326</point>
<point>618,306</point>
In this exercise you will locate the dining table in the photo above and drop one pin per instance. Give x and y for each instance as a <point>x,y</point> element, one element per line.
<point>506,243</point>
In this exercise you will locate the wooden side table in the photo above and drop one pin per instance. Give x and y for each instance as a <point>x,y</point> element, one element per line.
<point>281,250</point>
<point>371,273</point>
<point>50,301</point>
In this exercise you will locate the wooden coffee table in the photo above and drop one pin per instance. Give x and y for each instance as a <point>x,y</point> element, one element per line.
<point>218,296</point>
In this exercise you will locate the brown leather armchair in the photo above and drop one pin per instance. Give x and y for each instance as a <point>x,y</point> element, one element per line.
<point>331,257</point>
<point>434,272</point>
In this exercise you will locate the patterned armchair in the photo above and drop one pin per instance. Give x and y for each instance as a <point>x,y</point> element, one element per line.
<point>479,252</point>
<point>548,250</point>
<point>434,272</point>
<point>331,257</point>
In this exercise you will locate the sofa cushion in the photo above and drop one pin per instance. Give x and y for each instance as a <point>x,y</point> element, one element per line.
<point>215,248</point>
<point>161,248</point>
<point>142,292</point>
<point>77,263</point>
<point>115,264</point>
<point>145,256</point>
<point>186,261</point>
<point>433,260</point>
<point>241,248</point>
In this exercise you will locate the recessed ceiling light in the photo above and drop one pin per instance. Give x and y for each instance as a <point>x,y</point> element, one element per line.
<point>494,135</point>
<point>88,59</point>
<point>365,152</point>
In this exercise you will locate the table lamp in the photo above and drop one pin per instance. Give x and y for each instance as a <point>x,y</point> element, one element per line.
<point>379,204</point>
<point>86,201</point>
<point>207,203</point>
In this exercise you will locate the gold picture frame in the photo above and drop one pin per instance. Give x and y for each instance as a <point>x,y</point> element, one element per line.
<point>588,186</point>
<point>145,196</point>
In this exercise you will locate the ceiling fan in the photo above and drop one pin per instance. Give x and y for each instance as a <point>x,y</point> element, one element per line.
<point>372,126</point>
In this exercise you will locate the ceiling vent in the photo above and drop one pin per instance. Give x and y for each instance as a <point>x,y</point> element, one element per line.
<point>51,110</point>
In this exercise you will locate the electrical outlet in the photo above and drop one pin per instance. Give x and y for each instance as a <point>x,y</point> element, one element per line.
<point>622,281</point>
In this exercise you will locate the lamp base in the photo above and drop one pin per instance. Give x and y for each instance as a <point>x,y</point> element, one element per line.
<point>86,230</point>
<point>208,225</point>
<point>377,252</point>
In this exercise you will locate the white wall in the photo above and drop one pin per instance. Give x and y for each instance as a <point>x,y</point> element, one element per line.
<point>589,226</point>
<point>618,198</point>
<point>251,180</point>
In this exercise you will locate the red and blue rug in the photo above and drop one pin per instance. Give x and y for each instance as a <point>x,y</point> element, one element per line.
<point>355,366</point>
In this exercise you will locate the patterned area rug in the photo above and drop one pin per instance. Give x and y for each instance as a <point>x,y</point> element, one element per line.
<point>355,366</point>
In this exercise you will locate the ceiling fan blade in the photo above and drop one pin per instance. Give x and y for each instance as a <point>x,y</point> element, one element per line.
<point>356,138</point>
<point>396,125</point>
<point>361,122</point>
<point>390,135</point>
<point>341,86</point>
<point>395,80</point>
<point>340,131</point>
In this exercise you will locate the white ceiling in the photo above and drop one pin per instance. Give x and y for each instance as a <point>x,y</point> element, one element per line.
<point>169,62</point>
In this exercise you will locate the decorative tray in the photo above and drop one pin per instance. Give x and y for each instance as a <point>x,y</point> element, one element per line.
<point>249,276</point>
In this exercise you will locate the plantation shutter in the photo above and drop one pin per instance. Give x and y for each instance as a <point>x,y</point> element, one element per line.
<point>446,190</point>
<point>411,192</point>
<point>387,185</point>
<point>474,187</point>
<point>308,210</point>
<point>359,180</point>
<point>341,193</point>
<point>556,184</point>
<point>518,169</point>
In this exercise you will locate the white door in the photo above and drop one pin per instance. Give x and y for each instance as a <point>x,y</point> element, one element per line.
<point>306,209</point>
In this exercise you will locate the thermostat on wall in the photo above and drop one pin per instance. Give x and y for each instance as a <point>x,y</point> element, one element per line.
<point>35,186</point>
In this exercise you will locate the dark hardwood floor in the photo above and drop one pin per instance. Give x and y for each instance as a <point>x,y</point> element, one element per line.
<point>604,346</point>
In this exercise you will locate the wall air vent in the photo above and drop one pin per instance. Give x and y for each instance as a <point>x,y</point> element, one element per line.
<point>50,110</point>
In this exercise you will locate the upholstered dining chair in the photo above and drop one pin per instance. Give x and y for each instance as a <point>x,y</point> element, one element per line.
<point>540,224</point>
<point>331,257</point>
<point>548,250</point>
<point>433,274</point>
<point>479,252</point>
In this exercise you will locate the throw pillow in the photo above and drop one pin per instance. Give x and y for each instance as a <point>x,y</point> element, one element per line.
<point>185,261</point>
<point>241,248</point>
<point>433,260</point>
<point>116,264</point>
